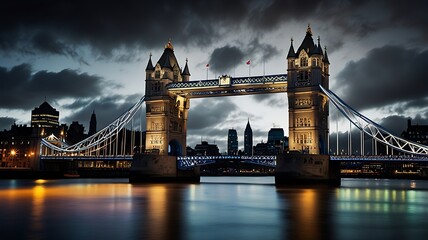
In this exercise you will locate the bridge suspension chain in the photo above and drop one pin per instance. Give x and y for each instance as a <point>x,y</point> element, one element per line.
<point>374,130</point>
<point>100,139</point>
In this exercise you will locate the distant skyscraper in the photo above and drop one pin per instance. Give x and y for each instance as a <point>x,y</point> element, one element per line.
<point>45,120</point>
<point>248,140</point>
<point>232,142</point>
<point>276,138</point>
<point>92,124</point>
<point>75,133</point>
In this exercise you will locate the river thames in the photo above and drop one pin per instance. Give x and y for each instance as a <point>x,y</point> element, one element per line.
<point>217,208</point>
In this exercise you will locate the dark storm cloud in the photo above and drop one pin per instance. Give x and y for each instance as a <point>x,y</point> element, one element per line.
<point>6,122</point>
<point>45,42</point>
<point>24,90</point>
<point>201,116</point>
<point>108,25</point>
<point>223,59</point>
<point>266,51</point>
<point>387,75</point>
<point>226,58</point>
<point>56,26</point>
<point>397,124</point>
<point>107,109</point>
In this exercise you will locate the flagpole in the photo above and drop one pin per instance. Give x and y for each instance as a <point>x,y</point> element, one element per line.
<point>264,66</point>
<point>207,66</point>
<point>249,68</point>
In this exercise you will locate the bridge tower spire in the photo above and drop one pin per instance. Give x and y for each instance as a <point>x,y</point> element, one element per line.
<point>308,108</point>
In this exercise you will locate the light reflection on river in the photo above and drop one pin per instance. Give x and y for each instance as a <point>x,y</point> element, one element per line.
<point>218,208</point>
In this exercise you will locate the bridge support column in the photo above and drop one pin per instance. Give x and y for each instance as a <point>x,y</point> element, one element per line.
<point>306,169</point>
<point>150,168</point>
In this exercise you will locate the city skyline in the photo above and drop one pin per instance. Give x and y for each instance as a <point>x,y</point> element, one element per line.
<point>81,64</point>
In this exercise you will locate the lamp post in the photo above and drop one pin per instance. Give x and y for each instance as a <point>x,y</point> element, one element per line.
<point>13,153</point>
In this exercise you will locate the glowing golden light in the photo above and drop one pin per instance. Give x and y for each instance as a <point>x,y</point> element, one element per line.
<point>13,152</point>
<point>40,181</point>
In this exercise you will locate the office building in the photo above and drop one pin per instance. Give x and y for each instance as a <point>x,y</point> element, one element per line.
<point>232,142</point>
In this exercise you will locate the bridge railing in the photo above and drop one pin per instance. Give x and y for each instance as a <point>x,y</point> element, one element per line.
<point>185,162</point>
<point>381,158</point>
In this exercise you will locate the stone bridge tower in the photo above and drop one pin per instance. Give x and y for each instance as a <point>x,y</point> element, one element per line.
<point>308,67</point>
<point>166,113</point>
<point>166,124</point>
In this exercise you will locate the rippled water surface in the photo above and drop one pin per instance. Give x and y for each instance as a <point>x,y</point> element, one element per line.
<point>217,208</point>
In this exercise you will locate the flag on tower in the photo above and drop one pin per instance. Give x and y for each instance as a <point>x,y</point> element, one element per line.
<point>248,62</point>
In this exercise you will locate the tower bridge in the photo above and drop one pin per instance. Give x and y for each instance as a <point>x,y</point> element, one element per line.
<point>167,97</point>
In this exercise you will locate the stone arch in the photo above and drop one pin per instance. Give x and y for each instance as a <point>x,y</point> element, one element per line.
<point>174,148</point>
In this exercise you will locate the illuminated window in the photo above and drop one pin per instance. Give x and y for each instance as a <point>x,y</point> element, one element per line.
<point>304,62</point>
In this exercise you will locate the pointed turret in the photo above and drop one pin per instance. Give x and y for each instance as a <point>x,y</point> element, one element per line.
<point>291,52</point>
<point>307,43</point>
<point>317,48</point>
<point>168,60</point>
<point>325,56</point>
<point>149,64</point>
<point>186,71</point>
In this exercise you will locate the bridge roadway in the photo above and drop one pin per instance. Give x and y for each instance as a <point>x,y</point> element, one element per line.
<point>89,158</point>
<point>185,162</point>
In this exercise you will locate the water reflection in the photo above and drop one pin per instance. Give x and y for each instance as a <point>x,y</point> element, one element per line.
<point>251,208</point>
<point>306,213</point>
<point>37,211</point>
<point>157,211</point>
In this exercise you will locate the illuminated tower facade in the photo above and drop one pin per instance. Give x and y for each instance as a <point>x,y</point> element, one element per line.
<point>308,67</point>
<point>166,113</point>
<point>45,120</point>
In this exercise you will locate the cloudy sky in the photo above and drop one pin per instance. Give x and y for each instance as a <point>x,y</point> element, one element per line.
<point>91,55</point>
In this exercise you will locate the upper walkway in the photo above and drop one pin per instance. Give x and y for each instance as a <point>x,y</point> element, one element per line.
<point>228,86</point>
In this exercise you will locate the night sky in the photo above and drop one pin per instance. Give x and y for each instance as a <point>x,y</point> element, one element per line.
<point>84,56</point>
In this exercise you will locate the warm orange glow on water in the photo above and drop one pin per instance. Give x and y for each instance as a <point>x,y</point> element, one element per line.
<point>307,214</point>
<point>115,209</point>
<point>38,206</point>
<point>157,207</point>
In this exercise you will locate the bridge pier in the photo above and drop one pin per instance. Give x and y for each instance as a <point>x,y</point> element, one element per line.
<point>152,168</point>
<point>306,169</point>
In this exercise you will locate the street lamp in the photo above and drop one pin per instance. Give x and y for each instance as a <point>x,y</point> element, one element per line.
<point>13,153</point>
